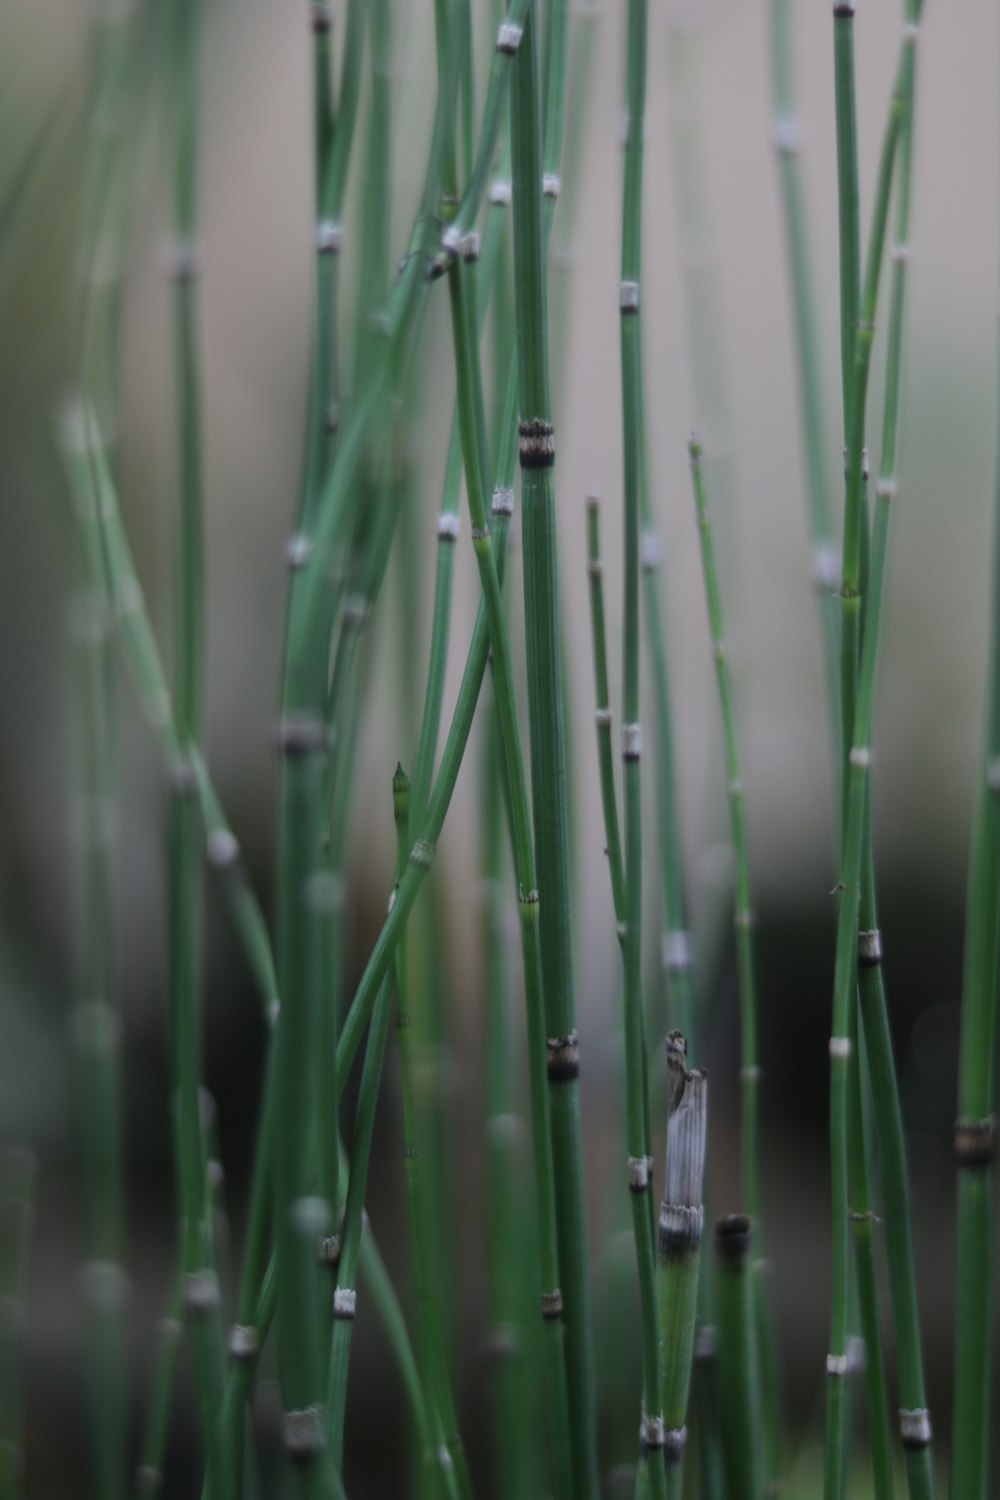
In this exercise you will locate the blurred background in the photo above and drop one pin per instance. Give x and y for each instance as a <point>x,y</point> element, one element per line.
<point>719,357</point>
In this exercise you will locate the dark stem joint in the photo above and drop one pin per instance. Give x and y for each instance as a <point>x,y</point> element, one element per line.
<point>563,1061</point>
<point>536,444</point>
<point>322,18</point>
<point>303,1433</point>
<point>870,948</point>
<point>299,735</point>
<point>552,1305</point>
<point>843,10</point>
<point>345,1301</point>
<point>673,1444</point>
<point>915,1429</point>
<point>975,1143</point>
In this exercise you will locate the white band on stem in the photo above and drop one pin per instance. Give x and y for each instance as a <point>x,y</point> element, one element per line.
<point>650,555</point>
<point>899,254</point>
<point>640,1170</point>
<point>836,1364</point>
<point>448,526</point>
<point>651,1431</point>
<point>677,950</point>
<point>329,236</point>
<point>222,848</point>
<point>303,1431</point>
<point>243,1342</point>
<point>470,245</point>
<point>501,192</point>
<point>631,741</point>
<point>915,1427</point>
<point>840,1047</point>
<point>825,565</point>
<point>503,502</point>
<point>860,757</point>
<point>787,135</point>
<point>602,717</point>
<point>345,1301</point>
<point>885,489</point>
<point>550,185</point>
<point>509,37</point>
<point>911,31</point>
<point>628,297</point>
<point>201,1292</point>
<point>297,551</point>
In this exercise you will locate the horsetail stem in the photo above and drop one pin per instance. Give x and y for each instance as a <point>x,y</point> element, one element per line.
<point>345,1292</point>
<point>18,1189</point>
<point>472,425</point>
<point>975,1127</point>
<point>636,1081</point>
<point>602,714</point>
<point>856,699</point>
<point>545,705</point>
<point>185,866</point>
<point>788,145</point>
<point>739,1390</point>
<point>679,1247</point>
<point>743,917</point>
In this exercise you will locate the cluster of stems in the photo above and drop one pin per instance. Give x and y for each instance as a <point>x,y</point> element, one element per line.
<point>308,1251</point>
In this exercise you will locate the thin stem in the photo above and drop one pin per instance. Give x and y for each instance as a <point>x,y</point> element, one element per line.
<point>561,1059</point>
<point>149,1471</point>
<point>184,852</point>
<point>18,1188</point>
<point>975,1127</point>
<point>788,145</point>
<point>743,917</point>
<point>636,1081</point>
<point>602,713</point>
<point>679,1245</point>
<point>739,1392</point>
<point>545,704</point>
<point>856,701</point>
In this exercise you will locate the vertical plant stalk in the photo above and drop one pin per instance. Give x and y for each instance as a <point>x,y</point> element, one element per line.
<point>679,1245</point>
<point>788,145</point>
<point>510,1269</point>
<point>548,743</point>
<point>914,1418</point>
<point>739,1391</point>
<point>676,946</point>
<point>975,1127</point>
<point>848,1170</point>
<point>97,1021</point>
<point>749,1065</point>
<point>153,1446</point>
<point>636,1081</point>
<point>558,1056</point>
<point>185,869</point>
<point>602,714</point>
<point>345,1294</point>
<point>18,1185</point>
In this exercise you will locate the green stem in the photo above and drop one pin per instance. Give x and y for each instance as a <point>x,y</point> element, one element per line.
<point>975,1127</point>
<point>739,1392</point>
<point>545,704</point>
<point>18,1189</point>
<point>679,1245</point>
<point>562,1058</point>
<point>856,700</point>
<point>636,1080</point>
<point>602,713</point>
<point>787,141</point>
